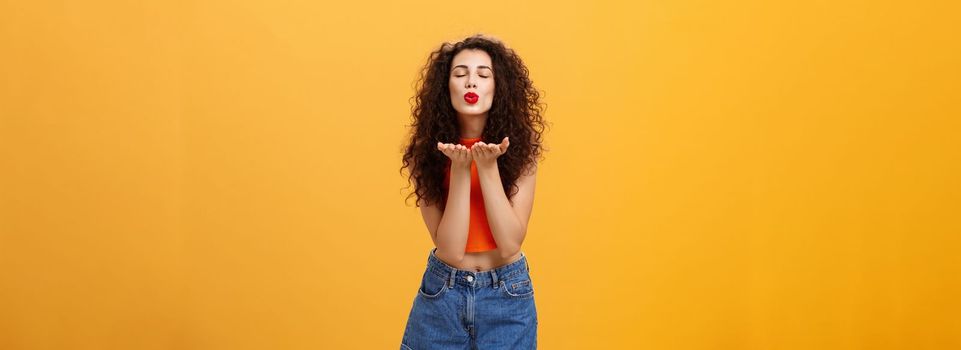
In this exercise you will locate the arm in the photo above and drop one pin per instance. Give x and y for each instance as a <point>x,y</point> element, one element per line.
<point>448,228</point>
<point>508,222</point>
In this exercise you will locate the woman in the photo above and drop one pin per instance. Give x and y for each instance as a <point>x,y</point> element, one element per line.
<point>476,196</point>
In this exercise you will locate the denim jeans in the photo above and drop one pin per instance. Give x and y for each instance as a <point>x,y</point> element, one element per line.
<point>461,309</point>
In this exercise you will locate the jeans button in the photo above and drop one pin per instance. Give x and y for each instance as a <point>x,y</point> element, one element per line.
<point>469,278</point>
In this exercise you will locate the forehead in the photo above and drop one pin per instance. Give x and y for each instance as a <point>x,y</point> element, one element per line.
<point>472,58</point>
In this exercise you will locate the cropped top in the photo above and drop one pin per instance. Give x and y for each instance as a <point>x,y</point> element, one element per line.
<point>479,235</point>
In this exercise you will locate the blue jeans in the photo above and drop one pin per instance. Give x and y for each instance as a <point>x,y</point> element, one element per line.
<point>460,309</point>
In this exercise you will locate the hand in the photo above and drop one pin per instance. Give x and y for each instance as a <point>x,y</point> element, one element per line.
<point>459,154</point>
<point>485,154</point>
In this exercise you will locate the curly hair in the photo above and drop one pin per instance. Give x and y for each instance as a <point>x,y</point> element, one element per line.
<point>516,112</point>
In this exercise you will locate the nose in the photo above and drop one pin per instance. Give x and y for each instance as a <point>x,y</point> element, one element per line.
<point>471,82</point>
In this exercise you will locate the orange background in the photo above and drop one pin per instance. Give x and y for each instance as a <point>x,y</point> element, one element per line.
<point>720,175</point>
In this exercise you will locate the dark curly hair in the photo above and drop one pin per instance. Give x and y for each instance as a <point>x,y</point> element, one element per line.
<point>516,112</point>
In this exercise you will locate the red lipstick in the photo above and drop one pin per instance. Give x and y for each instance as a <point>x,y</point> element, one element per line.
<point>471,97</point>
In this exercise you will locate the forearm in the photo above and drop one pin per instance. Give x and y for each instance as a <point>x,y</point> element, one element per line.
<point>452,230</point>
<point>505,226</point>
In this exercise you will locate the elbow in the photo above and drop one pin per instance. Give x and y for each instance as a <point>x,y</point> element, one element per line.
<point>453,257</point>
<point>511,249</point>
<point>507,252</point>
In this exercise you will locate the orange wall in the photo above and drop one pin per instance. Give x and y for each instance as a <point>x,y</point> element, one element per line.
<point>721,175</point>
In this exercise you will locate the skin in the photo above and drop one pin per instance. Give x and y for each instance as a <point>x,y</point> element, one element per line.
<point>448,226</point>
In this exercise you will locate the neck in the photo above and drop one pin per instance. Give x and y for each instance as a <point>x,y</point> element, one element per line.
<point>472,126</point>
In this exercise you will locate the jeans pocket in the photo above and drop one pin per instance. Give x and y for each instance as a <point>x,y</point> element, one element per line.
<point>432,285</point>
<point>519,287</point>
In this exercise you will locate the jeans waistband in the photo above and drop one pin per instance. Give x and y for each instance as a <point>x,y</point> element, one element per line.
<point>489,277</point>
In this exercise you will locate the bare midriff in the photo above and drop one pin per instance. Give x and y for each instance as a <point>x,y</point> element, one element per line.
<point>482,261</point>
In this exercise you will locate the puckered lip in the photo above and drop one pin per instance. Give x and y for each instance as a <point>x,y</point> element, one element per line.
<point>470,94</point>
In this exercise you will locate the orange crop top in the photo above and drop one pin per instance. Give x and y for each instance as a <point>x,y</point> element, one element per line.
<point>479,235</point>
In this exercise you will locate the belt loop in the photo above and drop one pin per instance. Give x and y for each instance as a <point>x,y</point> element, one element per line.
<point>494,278</point>
<point>453,272</point>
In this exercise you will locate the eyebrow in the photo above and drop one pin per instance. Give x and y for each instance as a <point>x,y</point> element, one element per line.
<point>463,66</point>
